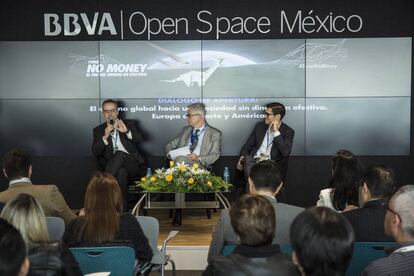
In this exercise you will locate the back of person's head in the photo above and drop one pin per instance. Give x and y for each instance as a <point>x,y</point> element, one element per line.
<point>380,181</point>
<point>253,219</point>
<point>266,176</point>
<point>16,164</point>
<point>26,214</point>
<point>13,252</point>
<point>322,241</point>
<point>277,108</point>
<point>347,171</point>
<point>403,204</point>
<point>103,205</point>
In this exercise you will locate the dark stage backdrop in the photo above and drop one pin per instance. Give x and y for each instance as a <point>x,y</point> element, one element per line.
<point>344,73</point>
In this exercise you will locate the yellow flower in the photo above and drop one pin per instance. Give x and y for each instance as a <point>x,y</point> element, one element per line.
<point>171,163</point>
<point>169,178</point>
<point>190,180</point>
<point>210,184</point>
<point>153,178</point>
<point>143,178</point>
<point>182,168</point>
<point>195,166</point>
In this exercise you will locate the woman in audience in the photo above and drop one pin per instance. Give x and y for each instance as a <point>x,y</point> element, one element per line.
<point>253,219</point>
<point>342,194</point>
<point>104,222</point>
<point>26,214</point>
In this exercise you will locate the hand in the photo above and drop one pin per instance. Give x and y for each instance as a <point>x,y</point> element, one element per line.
<point>120,126</point>
<point>108,130</point>
<point>82,212</point>
<point>193,156</point>
<point>239,165</point>
<point>274,126</point>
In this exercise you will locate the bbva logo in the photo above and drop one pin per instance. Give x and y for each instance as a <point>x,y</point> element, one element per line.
<point>73,25</point>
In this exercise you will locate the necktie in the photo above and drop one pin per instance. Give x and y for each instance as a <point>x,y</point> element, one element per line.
<point>194,140</point>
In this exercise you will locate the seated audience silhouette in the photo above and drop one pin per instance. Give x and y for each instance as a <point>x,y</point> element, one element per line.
<point>322,242</point>
<point>17,168</point>
<point>104,222</point>
<point>399,224</point>
<point>13,254</point>
<point>265,179</point>
<point>342,194</point>
<point>26,214</point>
<point>253,219</point>
<point>377,186</point>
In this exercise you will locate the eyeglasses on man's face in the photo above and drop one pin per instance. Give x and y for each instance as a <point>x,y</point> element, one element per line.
<point>109,111</point>
<point>269,114</point>
<point>386,206</point>
<point>189,115</point>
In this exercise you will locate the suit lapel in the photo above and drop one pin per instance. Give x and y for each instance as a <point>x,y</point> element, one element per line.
<point>206,140</point>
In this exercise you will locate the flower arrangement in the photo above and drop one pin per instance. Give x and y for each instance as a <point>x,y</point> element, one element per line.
<point>181,178</point>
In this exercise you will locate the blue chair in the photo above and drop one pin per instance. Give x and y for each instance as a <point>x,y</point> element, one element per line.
<point>118,260</point>
<point>364,254</point>
<point>55,227</point>
<point>229,248</point>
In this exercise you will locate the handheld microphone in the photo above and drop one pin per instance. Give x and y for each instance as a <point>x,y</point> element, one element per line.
<point>111,121</point>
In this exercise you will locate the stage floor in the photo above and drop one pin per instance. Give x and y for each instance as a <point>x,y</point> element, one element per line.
<point>196,228</point>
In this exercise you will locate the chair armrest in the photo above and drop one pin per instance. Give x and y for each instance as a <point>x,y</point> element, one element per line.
<point>171,235</point>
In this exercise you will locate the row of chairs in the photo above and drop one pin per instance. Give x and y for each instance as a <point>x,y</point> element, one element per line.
<point>364,254</point>
<point>118,260</point>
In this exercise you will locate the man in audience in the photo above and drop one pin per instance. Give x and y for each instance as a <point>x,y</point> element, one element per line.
<point>17,168</point>
<point>114,144</point>
<point>322,242</point>
<point>399,224</point>
<point>253,219</point>
<point>265,179</point>
<point>203,141</point>
<point>13,253</point>
<point>377,186</point>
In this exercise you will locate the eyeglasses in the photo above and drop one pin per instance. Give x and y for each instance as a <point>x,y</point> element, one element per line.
<point>386,206</point>
<point>269,114</point>
<point>191,115</point>
<point>109,111</point>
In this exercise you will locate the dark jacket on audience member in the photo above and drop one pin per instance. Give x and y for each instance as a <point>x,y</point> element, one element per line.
<point>52,259</point>
<point>368,222</point>
<point>246,260</point>
<point>130,233</point>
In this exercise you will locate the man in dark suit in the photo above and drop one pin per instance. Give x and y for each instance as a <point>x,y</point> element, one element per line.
<point>266,180</point>
<point>114,144</point>
<point>271,139</point>
<point>377,186</point>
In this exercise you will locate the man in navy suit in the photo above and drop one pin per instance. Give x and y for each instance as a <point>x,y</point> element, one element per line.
<point>114,144</point>
<point>271,139</point>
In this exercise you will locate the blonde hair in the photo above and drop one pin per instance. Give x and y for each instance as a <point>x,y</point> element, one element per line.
<point>26,214</point>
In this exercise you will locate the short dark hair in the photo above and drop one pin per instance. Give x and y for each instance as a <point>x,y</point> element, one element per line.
<point>16,163</point>
<point>12,249</point>
<point>380,181</point>
<point>266,175</point>
<point>253,219</point>
<point>323,241</point>
<point>109,101</point>
<point>277,108</point>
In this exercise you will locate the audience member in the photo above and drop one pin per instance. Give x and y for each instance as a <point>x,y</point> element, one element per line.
<point>377,186</point>
<point>13,254</point>
<point>17,168</point>
<point>342,194</point>
<point>253,219</point>
<point>399,224</point>
<point>104,222</point>
<point>322,242</point>
<point>26,214</point>
<point>265,179</point>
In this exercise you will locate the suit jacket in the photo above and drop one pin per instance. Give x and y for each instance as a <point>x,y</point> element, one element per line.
<point>368,222</point>
<point>210,146</point>
<point>224,233</point>
<point>49,197</point>
<point>281,147</point>
<point>104,153</point>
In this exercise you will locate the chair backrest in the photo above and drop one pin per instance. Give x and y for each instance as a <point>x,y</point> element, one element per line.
<point>229,248</point>
<point>365,253</point>
<point>151,227</point>
<point>55,227</point>
<point>118,260</point>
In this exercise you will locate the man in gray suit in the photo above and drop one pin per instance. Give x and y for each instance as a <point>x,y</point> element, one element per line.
<point>203,141</point>
<point>265,179</point>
